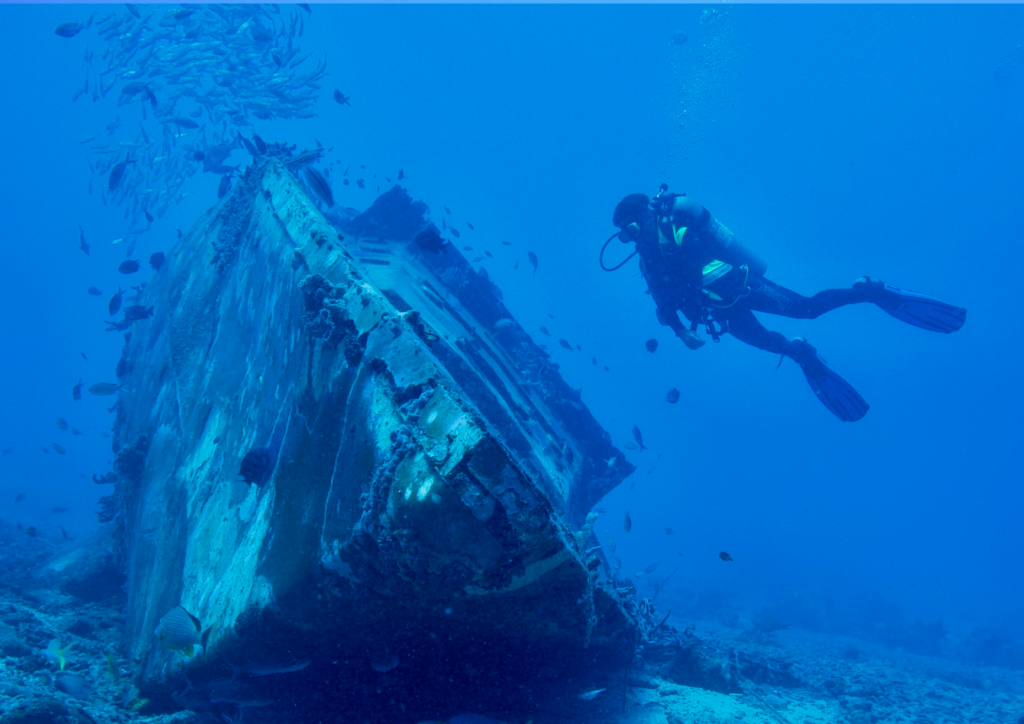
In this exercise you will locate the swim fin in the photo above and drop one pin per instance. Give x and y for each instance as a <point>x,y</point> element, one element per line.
<point>913,308</point>
<point>834,392</point>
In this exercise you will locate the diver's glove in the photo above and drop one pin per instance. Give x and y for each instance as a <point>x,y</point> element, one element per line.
<point>690,339</point>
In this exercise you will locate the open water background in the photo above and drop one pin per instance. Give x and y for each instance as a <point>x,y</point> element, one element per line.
<point>836,141</point>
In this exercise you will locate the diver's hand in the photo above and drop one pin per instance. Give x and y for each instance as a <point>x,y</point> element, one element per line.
<point>690,339</point>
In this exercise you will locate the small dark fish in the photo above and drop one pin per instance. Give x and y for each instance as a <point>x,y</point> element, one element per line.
<point>69,30</point>
<point>467,248</point>
<point>360,184</point>
<point>76,391</point>
<point>102,389</point>
<point>84,357</point>
<point>639,438</point>
<point>149,216</point>
<point>516,265</point>
<point>593,361</point>
<point>305,6</point>
<point>725,556</point>
<point>533,260</point>
<point>117,173</point>
<point>651,345</point>
<point>470,226</point>
<point>506,243</point>
<point>579,348</point>
<point>627,523</point>
<point>156,260</point>
<point>182,122</point>
<point>61,423</point>
<point>250,147</point>
<point>565,343</point>
<point>59,509</point>
<point>318,183</point>
<point>128,267</point>
<point>134,11</point>
<point>260,145</point>
<point>672,396</point>
<point>477,259</point>
<point>81,241</point>
<point>669,531</point>
<point>223,186</point>
<point>446,209</point>
<point>114,306</point>
<point>76,431</point>
<point>401,174</point>
<point>199,156</point>
<point>63,533</point>
<point>257,465</point>
<point>58,448</point>
<point>31,531</point>
<point>488,254</point>
<point>544,331</point>
<point>95,291</point>
<point>455,232</point>
<point>341,98</point>
<point>19,497</point>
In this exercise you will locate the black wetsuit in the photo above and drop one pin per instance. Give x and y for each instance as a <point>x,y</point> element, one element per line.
<point>672,262</point>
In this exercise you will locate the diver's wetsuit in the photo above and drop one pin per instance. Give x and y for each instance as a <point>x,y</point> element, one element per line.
<point>767,296</point>
<point>673,256</point>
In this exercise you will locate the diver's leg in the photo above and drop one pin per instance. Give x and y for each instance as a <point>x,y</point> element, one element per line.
<point>767,296</point>
<point>834,392</point>
<point>744,326</point>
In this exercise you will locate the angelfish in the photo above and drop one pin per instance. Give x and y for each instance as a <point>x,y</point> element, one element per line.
<point>180,631</point>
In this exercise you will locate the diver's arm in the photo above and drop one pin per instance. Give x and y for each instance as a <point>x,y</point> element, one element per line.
<point>671,320</point>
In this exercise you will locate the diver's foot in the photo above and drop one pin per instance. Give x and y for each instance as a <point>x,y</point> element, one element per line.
<point>876,292</point>
<point>914,308</point>
<point>801,351</point>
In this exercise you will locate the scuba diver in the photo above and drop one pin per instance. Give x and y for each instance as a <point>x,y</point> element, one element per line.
<point>695,265</point>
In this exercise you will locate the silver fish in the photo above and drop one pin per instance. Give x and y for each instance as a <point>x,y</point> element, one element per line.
<point>319,184</point>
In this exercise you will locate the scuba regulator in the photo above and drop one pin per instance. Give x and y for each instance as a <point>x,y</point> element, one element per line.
<point>661,204</point>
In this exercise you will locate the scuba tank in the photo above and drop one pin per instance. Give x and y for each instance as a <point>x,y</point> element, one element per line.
<point>739,253</point>
<point>723,284</point>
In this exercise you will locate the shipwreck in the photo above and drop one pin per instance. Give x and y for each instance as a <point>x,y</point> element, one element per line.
<point>342,455</point>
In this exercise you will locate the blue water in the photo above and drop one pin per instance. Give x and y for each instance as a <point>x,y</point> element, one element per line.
<point>836,141</point>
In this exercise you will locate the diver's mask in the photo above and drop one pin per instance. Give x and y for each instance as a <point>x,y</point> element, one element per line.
<point>631,232</point>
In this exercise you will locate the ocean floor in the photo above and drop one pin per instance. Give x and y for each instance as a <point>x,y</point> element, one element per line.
<point>788,677</point>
